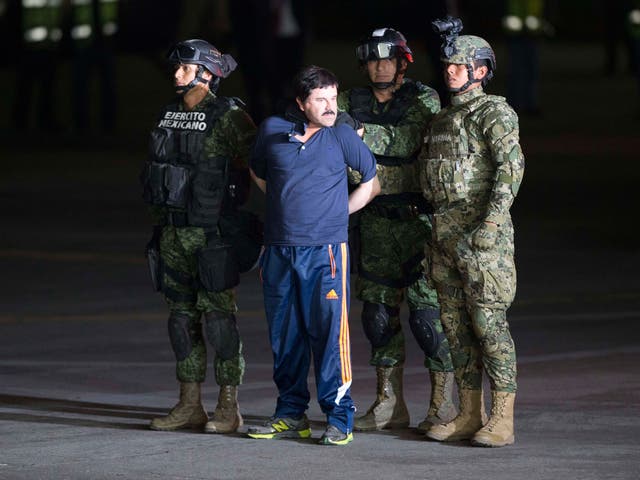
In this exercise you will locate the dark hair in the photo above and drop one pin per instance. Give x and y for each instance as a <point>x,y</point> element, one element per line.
<point>312,77</point>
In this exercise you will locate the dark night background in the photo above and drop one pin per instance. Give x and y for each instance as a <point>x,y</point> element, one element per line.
<point>84,355</point>
<point>581,147</point>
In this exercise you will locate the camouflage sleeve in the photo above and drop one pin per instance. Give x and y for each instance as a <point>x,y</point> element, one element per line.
<point>233,137</point>
<point>344,106</point>
<point>404,139</point>
<point>343,101</point>
<point>501,128</point>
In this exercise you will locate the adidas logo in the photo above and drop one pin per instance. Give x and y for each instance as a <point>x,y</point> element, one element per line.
<point>332,295</point>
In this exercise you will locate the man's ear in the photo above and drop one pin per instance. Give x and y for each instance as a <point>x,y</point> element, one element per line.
<point>483,70</point>
<point>300,104</point>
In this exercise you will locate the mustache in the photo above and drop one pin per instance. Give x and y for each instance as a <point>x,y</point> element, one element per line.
<point>329,112</point>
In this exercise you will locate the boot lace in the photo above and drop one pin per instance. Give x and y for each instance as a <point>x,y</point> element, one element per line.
<point>497,411</point>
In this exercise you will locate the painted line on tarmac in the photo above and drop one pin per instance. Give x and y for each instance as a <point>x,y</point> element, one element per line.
<point>576,316</point>
<point>101,363</point>
<point>74,256</point>
<point>577,355</point>
<point>104,317</point>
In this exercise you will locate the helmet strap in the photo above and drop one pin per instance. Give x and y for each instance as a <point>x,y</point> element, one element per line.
<point>382,85</point>
<point>469,82</point>
<point>197,79</point>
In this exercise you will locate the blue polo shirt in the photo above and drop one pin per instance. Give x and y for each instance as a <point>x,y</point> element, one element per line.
<point>307,193</point>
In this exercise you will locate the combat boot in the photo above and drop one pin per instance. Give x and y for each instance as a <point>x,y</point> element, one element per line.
<point>389,409</point>
<point>226,417</point>
<point>499,431</point>
<point>188,412</point>
<point>441,407</point>
<point>470,419</point>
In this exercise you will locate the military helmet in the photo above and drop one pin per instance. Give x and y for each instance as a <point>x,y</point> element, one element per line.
<point>201,52</point>
<point>465,49</point>
<point>383,43</point>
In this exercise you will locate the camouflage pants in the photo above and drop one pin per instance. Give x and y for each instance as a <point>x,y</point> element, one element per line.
<point>475,289</point>
<point>392,250</point>
<point>178,248</point>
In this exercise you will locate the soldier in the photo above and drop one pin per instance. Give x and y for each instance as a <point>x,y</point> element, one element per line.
<point>524,26</point>
<point>471,167</point>
<point>196,176</point>
<point>633,32</point>
<point>393,229</point>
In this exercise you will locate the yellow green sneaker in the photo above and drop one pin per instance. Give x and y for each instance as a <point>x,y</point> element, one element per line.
<point>281,428</point>
<point>333,436</point>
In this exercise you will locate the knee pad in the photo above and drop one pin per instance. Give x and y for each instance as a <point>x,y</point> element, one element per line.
<point>376,323</point>
<point>223,334</point>
<point>424,330</point>
<point>488,325</point>
<point>179,335</point>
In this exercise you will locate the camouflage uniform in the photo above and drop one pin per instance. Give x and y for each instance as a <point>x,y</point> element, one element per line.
<point>394,228</point>
<point>231,137</point>
<point>470,168</point>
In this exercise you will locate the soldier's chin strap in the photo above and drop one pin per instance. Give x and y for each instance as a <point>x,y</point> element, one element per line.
<point>382,85</point>
<point>470,82</point>
<point>213,86</point>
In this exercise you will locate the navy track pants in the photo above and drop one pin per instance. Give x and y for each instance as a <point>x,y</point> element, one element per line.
<point>306,300</point>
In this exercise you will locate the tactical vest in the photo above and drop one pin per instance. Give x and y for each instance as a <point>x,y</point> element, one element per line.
<point>179,175</point>
<point>397,175</point>
<point>458,168</point>
<point>361,101</point>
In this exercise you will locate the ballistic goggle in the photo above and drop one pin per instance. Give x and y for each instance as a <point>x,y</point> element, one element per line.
<point>182,53</point>
<point>376,51</point>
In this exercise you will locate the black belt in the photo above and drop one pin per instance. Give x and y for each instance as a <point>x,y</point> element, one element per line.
<point>177,219</point>
<point>398,212</point>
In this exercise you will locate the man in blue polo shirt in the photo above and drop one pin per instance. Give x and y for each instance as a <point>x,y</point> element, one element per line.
<point>300,162</point>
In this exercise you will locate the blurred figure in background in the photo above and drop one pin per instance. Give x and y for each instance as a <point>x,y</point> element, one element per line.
<point>271,39</point>
<point>633,32</point>
<point>614,14</point>
<point>524,24</point>
<point>91,28</point>
<point>37,27</point>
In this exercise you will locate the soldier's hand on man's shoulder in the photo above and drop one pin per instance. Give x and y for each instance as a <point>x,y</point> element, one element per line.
<point>346,119</point>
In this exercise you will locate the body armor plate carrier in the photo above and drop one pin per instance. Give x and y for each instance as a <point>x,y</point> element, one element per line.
<point>361,101</point>
<point>179,175</point>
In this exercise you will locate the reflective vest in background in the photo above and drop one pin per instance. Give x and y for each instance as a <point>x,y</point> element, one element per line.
<point>85,20</point>
<point>525,17</point>
<point>633,20</point>
<point>41,23</point>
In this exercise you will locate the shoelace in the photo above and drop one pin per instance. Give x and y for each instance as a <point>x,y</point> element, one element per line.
<point>497,409</point>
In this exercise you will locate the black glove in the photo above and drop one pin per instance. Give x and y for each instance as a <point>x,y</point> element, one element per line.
<point>345,118</point>
<point>294,114</point>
